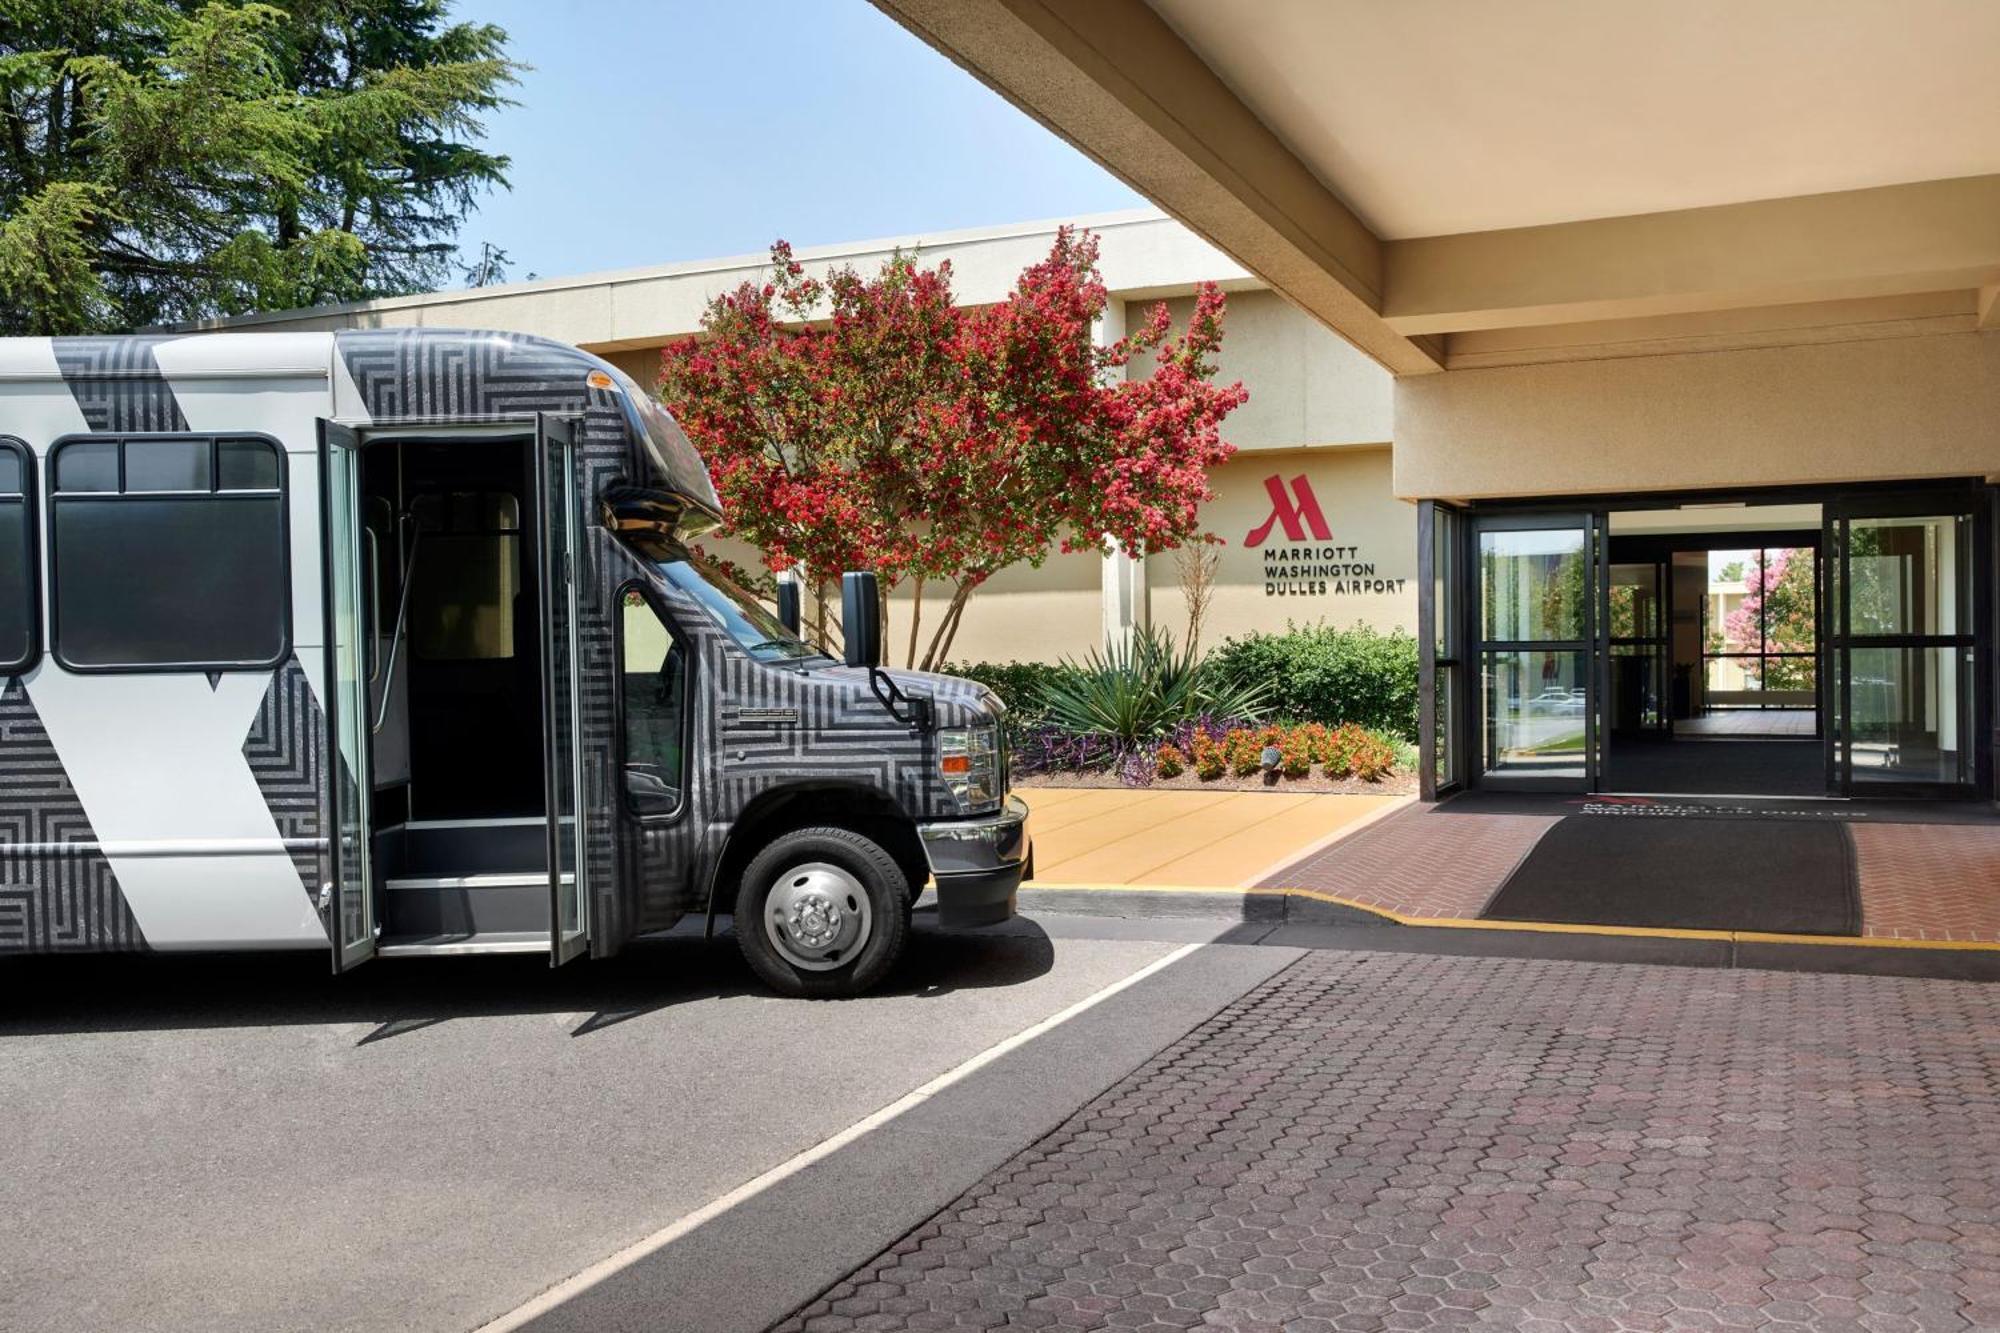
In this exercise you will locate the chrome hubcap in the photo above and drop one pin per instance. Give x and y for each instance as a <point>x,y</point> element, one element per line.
<point>817,916</point>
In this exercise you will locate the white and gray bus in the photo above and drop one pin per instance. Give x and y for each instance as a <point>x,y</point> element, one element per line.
<point>390,642</point>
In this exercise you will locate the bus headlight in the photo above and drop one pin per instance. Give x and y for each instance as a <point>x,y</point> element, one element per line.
<point>969,763</point>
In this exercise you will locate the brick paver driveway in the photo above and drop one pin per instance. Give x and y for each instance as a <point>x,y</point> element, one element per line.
<point>1403,1142</point>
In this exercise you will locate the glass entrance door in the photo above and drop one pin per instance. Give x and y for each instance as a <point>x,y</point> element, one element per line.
<point>1902,650</point>
<point>559,531</point>
<point>1635,636</point>
<point>348,583</point>
<point>1537,652</point>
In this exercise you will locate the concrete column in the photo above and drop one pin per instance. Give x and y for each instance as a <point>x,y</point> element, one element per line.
<point>1126,605</point>
<point>1124,594</point>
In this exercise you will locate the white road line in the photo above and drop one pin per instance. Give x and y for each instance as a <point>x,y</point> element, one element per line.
<point>750,1189</point>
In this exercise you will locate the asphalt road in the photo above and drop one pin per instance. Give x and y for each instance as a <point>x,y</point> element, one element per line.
<point>199,1143</point>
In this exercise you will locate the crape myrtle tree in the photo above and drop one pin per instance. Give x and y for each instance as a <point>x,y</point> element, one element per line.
<point>1778,612</point>
<point>168,160</point>
<point>856,422</point>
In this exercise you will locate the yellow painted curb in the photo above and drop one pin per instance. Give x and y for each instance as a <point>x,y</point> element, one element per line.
<point>1544,927</point>
<point>1230,889</point>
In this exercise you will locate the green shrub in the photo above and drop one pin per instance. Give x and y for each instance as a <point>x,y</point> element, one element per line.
<point>1020,685</point>
<point>1136,692</point>
<point>1316,673</point>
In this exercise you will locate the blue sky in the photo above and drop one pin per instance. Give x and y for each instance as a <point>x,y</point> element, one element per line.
<point>654,132</point>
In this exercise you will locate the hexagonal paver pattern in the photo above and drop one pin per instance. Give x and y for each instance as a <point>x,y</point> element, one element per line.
<point>1378,1142</point>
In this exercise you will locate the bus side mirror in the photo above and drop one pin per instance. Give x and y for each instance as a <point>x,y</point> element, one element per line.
<point>861,618</point>
<point>788,601</point>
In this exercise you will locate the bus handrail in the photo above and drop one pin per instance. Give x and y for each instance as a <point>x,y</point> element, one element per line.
<point>402,615</point>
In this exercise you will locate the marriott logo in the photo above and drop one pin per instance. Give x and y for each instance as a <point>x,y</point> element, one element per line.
<point>1296,510</point>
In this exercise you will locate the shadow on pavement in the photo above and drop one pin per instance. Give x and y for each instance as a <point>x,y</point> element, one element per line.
<point>158,992</point>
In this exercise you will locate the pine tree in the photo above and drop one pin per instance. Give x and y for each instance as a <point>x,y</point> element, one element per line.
<point>170,160</point>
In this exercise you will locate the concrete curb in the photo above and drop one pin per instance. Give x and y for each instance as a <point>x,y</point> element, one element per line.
<point>1264,906</point>
<point>1276,906</point>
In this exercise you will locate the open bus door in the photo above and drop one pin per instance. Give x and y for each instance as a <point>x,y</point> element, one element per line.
<point>559,532</point>
<point>348,900</point>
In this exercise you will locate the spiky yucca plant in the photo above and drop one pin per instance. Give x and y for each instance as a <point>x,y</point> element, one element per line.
<point>1136,692</point>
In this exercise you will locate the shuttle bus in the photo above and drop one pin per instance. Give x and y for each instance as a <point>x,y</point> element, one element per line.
<point>392,643</point>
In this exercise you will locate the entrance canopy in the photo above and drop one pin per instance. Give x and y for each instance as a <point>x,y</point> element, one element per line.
<point>1687,246</point>
<point>1455,185</point>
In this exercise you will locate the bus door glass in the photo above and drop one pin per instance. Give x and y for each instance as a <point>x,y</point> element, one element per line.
<point>559,534</point>
<point>348,583</point>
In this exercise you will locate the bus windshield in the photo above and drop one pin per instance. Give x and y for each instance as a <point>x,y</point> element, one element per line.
<point>742,617</point>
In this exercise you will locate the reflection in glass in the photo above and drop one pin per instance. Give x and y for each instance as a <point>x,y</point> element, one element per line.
<point>1635,601</point>
<point>1443,600</point>
<point>466,578</point>
<point>1535,713</point>
<point>245,465</point>
<point>87,465</point>
<point>1761,625</point>
<point>1906,575</point>
<point>166,465</point>
<point>655,698</point>
<point>1638,686</point>
<point>17,588</point>
<point>1533,585</point>
<point>1909,708</point>
<point>1445,729</point>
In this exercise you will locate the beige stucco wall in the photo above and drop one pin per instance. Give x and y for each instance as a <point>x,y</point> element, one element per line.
<point>1306,385</point>
<point>1057,611</point>
<point>1352,487</point>
<point>1884,409</point>
<point>1307,388</point>
<point>641,363</point>
<point>1020,615</point>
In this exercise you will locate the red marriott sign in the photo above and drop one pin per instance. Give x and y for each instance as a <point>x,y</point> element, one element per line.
<point>1298,510</point>
<point>1296,568</point>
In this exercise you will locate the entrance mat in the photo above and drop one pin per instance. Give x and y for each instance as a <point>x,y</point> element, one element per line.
<point>1783,876</point>
<point>1915,811</point>
<point>1716,767</point>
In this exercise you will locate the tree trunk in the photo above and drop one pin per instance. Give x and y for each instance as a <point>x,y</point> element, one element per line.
<point>947,629</point>
<point>956,615</point>
<point>916,619</point>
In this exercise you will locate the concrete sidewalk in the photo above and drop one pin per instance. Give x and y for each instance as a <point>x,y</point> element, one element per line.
<point>1318,861</point>
<point>1091,838</point>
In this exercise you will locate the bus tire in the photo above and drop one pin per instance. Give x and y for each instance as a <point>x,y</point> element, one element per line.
<point>822,913</point>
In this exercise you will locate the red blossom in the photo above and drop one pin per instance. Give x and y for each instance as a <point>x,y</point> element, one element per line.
<point>872,423</point>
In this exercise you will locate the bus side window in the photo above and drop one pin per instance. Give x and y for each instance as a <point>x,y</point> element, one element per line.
<point>653,668</point>
<point>20,623</point>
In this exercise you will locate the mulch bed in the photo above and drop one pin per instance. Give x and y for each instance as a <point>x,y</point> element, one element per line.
<point>1396,784</point>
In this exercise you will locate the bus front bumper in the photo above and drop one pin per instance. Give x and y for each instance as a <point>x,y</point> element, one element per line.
<point>979,864</point>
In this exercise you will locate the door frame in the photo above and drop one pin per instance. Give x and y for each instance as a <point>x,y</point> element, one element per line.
<point>1921,495</point>
<point>558,567</point>
<point>350,888</point>
<point>1441,655</point>
<point>1975,504</point>
<point>1590,522</point>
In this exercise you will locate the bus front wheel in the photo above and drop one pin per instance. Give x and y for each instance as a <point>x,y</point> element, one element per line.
<point>822,913</point>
